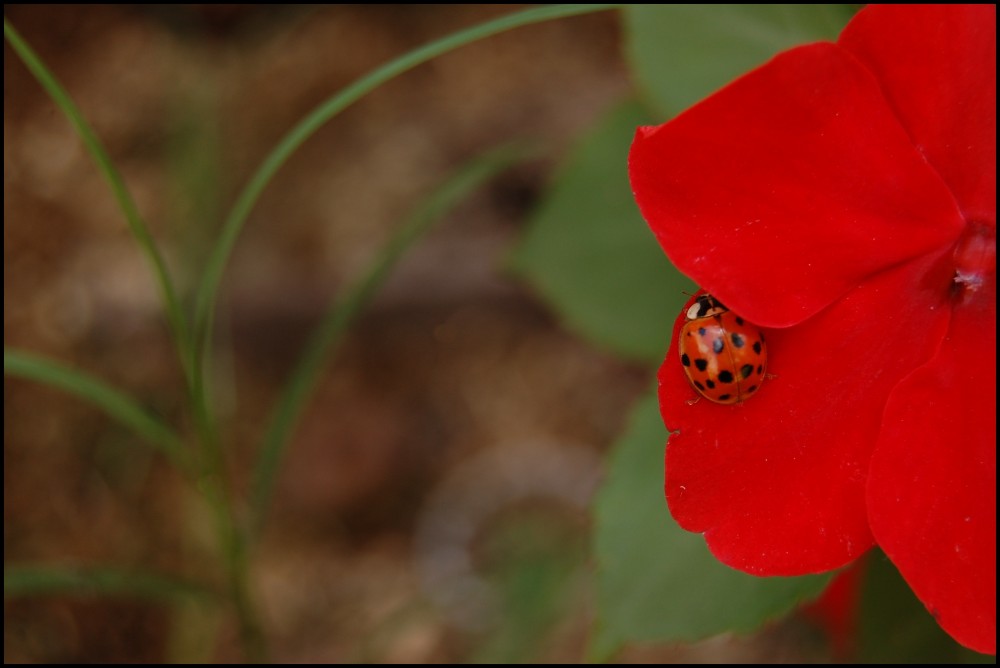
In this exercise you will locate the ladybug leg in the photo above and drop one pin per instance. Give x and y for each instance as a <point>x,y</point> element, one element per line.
<point>770,376</point>
<point>692,402</point>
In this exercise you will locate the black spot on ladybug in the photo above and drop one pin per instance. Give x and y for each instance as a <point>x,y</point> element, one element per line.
<point>685,360</point>
<point>746,370</point>
<point>701,364</point>
<point>739,321</point>
<point>756,347</point>
<point>752,388</point>
<point>724,397</point>
<point>699,386</point>
<point>725,377</point>
<point>760,369</point>
<point>737,340</point>
<point>717,346</point>
<point>711,384</point>
<point>701,331</point>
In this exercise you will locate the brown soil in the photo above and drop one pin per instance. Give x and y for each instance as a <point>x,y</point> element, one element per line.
<point>455,377</point>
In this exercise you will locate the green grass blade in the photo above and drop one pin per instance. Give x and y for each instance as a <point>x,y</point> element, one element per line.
<point>116,404</point>
<point>343,310</point>
<point>23,581</point>
<point>175,315</point>
<point>208,287</point>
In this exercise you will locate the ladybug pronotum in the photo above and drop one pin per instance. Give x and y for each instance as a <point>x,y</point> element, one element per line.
<point>724,356</point>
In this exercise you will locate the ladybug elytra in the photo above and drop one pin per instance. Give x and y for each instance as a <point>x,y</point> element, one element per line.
<point>724,356</point>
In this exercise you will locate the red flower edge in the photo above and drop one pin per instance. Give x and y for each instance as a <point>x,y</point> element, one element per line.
<point>836,611</point>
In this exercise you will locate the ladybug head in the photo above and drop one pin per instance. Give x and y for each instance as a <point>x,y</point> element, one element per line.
<point>705,305</point>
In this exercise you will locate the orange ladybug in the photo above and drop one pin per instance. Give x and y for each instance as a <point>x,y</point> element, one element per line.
<point>724,356</point>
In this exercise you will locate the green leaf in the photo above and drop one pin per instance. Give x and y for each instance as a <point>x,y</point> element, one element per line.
<point>657,582</point>
<point>590,253</point>
<point>114,178</point>
<point>118,405</point>
<point>895,626</point>
<point>682,53</point>
<point>19,581</point>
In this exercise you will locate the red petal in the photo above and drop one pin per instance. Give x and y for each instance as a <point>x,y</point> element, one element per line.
<point>937,67</point>
<point>778,483</point>
<point>932,491</point>
<point>788,188</point>
<point>836,611</point>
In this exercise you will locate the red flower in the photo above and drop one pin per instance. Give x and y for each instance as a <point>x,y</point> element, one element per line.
<point>843,198</point>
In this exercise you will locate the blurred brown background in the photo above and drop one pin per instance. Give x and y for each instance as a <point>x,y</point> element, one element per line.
<point>459,430</point>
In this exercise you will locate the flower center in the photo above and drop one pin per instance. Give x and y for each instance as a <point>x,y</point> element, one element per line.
<point>975,258</point>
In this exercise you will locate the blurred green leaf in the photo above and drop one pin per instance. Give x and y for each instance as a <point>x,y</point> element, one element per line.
<point>589,251</point>
<point>118,405</point>
<point>682,53</point>
<point>896,627</point>
<point>126,203</point>
<point>19,581</point>
<point>657,582</point>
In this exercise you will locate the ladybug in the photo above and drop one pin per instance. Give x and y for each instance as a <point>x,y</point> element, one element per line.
<point>723,356</point>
